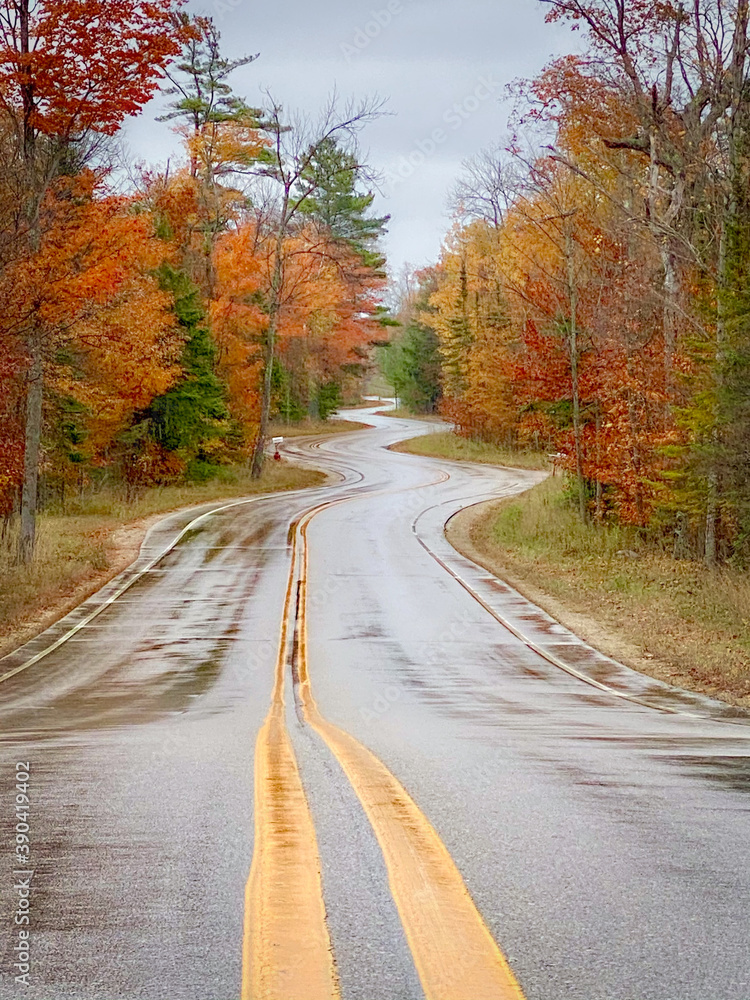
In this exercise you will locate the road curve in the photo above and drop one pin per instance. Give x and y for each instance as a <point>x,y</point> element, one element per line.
<point>311,751</point>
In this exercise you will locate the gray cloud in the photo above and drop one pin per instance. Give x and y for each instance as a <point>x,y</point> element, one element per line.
<point>444,66</point>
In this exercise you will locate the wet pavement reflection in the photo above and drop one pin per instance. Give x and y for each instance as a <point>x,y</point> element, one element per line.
<point>598,817</point>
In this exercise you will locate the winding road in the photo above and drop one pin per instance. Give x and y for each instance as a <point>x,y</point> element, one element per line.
<point>304,750</point>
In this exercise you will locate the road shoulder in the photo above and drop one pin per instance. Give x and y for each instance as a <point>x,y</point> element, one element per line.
<point>470,533</point>
<point>120,546</point>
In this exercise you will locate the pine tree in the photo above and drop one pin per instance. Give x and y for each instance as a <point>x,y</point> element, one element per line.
<point>199,82</point>
<point>193,412</point>
<point>337,203</point>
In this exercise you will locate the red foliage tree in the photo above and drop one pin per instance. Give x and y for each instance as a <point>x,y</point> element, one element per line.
<point>69,69</point>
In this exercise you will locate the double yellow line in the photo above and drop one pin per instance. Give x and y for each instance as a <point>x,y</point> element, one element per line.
<point>287,951</point>
<point>287,948</point>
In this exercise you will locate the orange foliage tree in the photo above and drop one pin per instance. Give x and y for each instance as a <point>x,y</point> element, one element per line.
<point>107,335</point>
<point>551,330</point>
<point>298,166</point>
<point>61,82</point>
<point>238,322</point>
<point>326,309</point>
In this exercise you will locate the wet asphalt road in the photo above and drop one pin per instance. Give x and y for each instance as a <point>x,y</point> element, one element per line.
<point>600,822</point>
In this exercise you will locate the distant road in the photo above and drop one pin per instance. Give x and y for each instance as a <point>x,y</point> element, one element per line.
<point>312,752</point>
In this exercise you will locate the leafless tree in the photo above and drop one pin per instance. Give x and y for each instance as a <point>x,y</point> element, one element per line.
<point>285,186</point>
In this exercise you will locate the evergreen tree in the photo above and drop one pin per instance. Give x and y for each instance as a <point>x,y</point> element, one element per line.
<point>731,451</point>
<point>337,203</point>
<point>412,362</point>
<point>202,95</point>
<point>193,412</point>
<point>420,368</point>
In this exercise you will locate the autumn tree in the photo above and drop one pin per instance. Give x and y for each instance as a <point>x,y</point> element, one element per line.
<point>60,84</point>
<point>223,141</point>
<point>329,319</point>
<point>296,171</point>
<point>678,79</point>
<point>682,79</point>
<point>196,207</point>
<point>109,340</point>
<point>238,323</point>
<point>203,98</point>
<point>549,327</point>
<point>343,243</point>
<point>469,314</point>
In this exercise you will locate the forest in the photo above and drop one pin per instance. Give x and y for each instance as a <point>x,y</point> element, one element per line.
<point>154,319</point>
<point>592,298</point>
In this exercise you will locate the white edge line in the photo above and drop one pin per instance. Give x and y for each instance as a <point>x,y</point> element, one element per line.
<point>539,650</point>
<point>134,579</point>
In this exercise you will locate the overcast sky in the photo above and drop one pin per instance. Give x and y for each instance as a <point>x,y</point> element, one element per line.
<point>443,65</point>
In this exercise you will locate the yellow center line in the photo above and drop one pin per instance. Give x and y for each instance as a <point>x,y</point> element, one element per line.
<point>454,952</point>
<point>287,951</point>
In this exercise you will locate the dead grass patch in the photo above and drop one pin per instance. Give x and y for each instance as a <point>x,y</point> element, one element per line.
<point>403,413</point>
<point>306,428</point>
<point>446,444</point>
<point>677,621</point>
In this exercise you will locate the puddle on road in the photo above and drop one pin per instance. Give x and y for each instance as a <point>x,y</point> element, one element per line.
<point>254,539</point>
<point>113,703</point>
<point>727,772</point>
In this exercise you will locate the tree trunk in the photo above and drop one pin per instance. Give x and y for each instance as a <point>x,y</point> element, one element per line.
<point>671,292</point>
<point>313,410</point>
<point>681,548</point>
<point>712,516</point>
<point>277,282</point>
<point>599,490</point>
<point>635,450</point>
<point>712,498</point>
<point>671,281</point>
<point>35,378</point>
<point>573,338</point>
<point>265,405</point>
<point>33,437</point>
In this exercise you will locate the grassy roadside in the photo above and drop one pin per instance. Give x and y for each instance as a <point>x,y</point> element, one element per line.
<point>430,418</point>
<point>446,444</point>
<point>363,404</point>
<point>307,428</point>
<point>676,621</point>
<point>79,552</point>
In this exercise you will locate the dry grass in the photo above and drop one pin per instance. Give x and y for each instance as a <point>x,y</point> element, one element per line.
<point>77,553</point>
<point>306,428</point>
<point>363,404</point>
<point>686,624</point>
<point>446,444</point>
<point>430,418</point>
